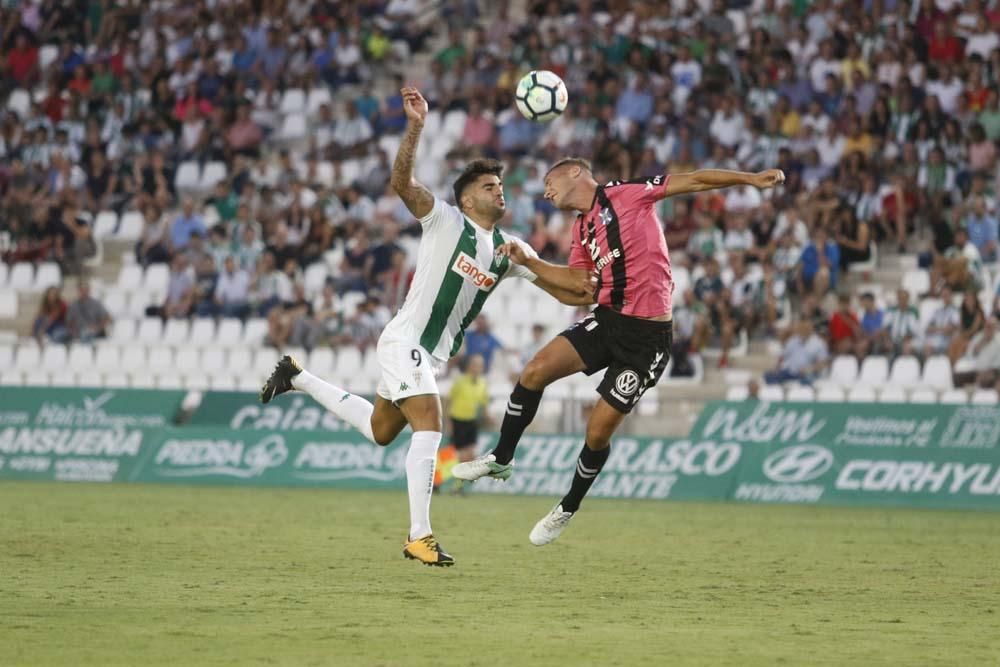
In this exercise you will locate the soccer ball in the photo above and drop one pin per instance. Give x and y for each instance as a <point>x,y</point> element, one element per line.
<point>541,95</point>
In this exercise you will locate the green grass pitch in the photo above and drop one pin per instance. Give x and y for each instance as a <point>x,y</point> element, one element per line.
<point>171,575</point>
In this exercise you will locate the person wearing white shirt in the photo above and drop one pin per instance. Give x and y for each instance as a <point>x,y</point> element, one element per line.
<point>728,125</point>
<point>823,65</point>
<point>686,73</point>
<point>942,327</point>
<point>831,147</point>
<point>982,40</point>
<point>948,88</point>
<point>232,291</point>
<point>352,132</point>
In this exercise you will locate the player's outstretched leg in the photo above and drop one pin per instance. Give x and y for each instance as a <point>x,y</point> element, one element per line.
<point>603,422</point>
<point>554,361</point>
<point>354,410</point>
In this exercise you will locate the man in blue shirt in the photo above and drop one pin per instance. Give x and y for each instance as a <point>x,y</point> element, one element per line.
<point>982,229</point>
<point>818,265</point>
<point>185,226</point>
<point>481,341</point>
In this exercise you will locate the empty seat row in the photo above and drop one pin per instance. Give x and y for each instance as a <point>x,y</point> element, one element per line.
<point>864,394</point>
<point>27,276</point>
<point>875,371</point>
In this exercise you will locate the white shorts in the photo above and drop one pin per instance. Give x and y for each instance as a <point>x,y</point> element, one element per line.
<point>407,368</point>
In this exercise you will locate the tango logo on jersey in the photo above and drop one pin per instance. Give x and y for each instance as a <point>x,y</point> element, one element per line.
<point>468,269</point>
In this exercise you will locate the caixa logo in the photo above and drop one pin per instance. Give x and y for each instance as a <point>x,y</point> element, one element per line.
<point>799,463</point>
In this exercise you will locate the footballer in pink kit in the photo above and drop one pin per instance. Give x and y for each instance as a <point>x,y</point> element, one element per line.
<point>619,237</point>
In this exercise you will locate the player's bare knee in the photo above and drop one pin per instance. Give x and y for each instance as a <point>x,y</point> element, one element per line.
<point>537,374</point>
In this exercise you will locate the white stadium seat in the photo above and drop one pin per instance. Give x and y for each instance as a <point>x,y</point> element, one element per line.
<point>736,392</point>
<point>116,302</point>
<point>131,225</point>
<point>160,359</point>
<point>213,359</point>
<point>984,397</point>
<point>156,278</point>
<point>19,102</point>
<point>916,282</point>
<point>8,304</point>
<point>905,372</point>
<point>140,378</point>
<point>772,392</point>
<point>133,359</point>
<point>81,358</point>
<point>169,380</point>
<point>874,371</point>
<point>22,276</point>
<point>129,277</point>
<point>4,271</point>
<point>47,274</point>
<point>54,357</point>
<point>108,359</point>
<point>222,383</point>
<point>316,98</point>
<point>240,360</point>
<point>293,127</point>
<point>214,172</point>
<point>315,277</point>
<point>321,362</point>
<point>801,393</point>
<point>263,364</point>
<point>349,362</point>
<point>255,331</point>
<point>105,224</point>
<point>62,378</point>
<point>954,397</point>
<point>123,330</point>
<point>187,177</point>
<point>230,331</point>
<point>861,394</point>
<point>892,393</point>
<point>115,380</point>
<point>150,330</point>
<point>176,332</point>
<point>36,378</point>
<point>830,394</point>
<point>923,395</point>
<point>937,372</point>
<point>844,370</point>
<point>202,331</point>
<point>188,359</point>
<point>6,356</point>
<point>293,101</point>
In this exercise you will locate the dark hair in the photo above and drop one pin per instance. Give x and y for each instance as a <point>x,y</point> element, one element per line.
<point>472,171</point>
<point>578,161</point>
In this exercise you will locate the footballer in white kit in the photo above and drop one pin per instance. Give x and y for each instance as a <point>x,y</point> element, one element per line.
<point>457,269</point>
<point>462,258</point>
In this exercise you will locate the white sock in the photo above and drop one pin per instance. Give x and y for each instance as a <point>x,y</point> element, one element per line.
<point>420,461</point>
<point>354,410</point>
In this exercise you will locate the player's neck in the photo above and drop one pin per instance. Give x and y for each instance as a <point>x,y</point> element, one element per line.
<point>583,198</point>
<point>485,224</point>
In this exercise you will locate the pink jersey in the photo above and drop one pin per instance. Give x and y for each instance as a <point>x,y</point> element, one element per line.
<point>621,237</point>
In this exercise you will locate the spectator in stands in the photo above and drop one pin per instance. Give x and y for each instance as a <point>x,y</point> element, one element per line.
<point>180,291</point>
<point>960,267</point>
<point>943,326</point>
<point>902,325</point>
<point>187,224</point>
<point>50,322</point>
<point>818,265</point>
<point>292,322</point>
<point>852,237</point>
<point>352,266</point>
<point>479,340</point>
<point>244,135</point>
<point>352,132</point>
<point>87,318</point>
<point>803,356</point>
<point>232,291</point>
<point>368,322</point>
<point>845,329</point>
<point>984,348</point>
<point>982,229</point>
<point>206,277</point>
<point>269,286</point>
<point>971,322</point>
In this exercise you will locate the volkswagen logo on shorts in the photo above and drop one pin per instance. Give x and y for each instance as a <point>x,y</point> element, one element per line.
<point>800,463</point>
<point>627,383</point>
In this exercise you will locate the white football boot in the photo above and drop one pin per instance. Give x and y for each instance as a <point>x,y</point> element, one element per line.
<point>550,527</point>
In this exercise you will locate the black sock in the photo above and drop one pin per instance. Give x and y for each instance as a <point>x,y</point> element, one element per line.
<point>521,408</point>
<point>588,467</point>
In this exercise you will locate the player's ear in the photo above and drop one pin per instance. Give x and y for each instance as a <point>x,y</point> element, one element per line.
<point>575,171</point>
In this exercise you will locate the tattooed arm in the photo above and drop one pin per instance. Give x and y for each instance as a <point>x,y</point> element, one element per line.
<point>415,195</point>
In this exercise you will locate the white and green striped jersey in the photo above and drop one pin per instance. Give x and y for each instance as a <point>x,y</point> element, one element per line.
<point>457,270</point>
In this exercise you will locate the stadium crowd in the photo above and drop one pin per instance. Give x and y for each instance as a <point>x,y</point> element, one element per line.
<point>883,114</point>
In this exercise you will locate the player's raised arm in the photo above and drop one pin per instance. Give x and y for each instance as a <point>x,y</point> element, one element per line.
<point>418,199</point>
<point>712,179</point>
<point>571,286</point>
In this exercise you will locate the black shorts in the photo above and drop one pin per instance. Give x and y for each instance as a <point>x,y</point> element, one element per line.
<point>634,351</point>
<point>463,433</point>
